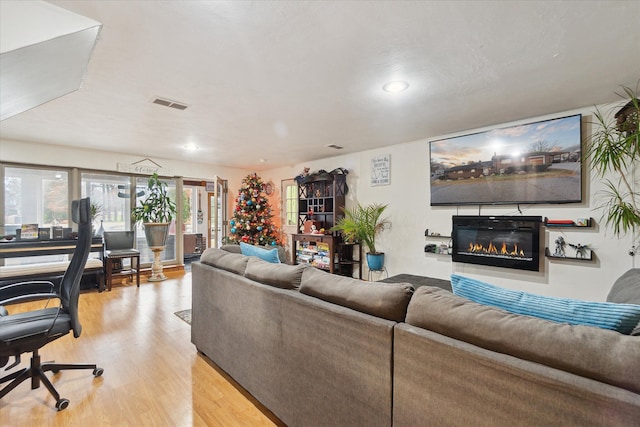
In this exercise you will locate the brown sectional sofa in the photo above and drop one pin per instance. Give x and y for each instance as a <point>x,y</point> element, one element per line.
<point>324,350</point>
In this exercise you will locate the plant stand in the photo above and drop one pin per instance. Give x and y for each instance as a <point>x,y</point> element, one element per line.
<point>156,268</point>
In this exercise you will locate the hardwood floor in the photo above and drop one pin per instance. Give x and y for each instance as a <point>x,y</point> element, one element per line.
<point>153,375</point>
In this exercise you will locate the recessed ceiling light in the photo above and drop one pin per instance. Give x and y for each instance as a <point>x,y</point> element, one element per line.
<point>395,86</point>
<point>191,147</point>
<point>263,160</point>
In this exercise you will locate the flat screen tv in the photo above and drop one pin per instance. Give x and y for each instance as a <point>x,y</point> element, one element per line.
<point>537,162</point>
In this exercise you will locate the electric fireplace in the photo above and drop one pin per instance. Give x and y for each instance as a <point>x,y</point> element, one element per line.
<point>500,241</point>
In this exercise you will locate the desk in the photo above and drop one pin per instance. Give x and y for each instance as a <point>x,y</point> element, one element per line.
<point>24,248</point>
<point>27,248</point>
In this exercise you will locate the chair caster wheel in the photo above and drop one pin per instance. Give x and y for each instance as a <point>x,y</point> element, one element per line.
<point>62,404</point>
<point>98,372</point>
<point>55,371</point>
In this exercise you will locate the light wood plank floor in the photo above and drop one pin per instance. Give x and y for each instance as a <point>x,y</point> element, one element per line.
<point>153,375</point>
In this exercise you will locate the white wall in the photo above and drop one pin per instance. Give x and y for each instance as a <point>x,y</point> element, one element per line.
<point>410,212</point>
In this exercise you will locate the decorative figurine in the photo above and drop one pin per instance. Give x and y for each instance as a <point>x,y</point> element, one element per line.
<point>581,250</point>
<point>304,174</point>
<point>560,245</point>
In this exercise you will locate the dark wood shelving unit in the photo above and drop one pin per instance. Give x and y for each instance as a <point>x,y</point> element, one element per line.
<point>321,199</point>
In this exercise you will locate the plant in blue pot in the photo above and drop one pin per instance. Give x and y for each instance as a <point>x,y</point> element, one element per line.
<point>362,224</point>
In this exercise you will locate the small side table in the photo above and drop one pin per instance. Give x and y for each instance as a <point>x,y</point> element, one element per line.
<point>113,258</point>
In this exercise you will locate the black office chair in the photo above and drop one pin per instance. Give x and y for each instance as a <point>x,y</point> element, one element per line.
<point>29,331</point>
<point>118,245</point>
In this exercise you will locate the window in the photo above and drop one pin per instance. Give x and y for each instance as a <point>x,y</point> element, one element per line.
<point>169,254</point>
<point>290,199</point>
<point>35,196</point>
<point>188,209</point>
<point>111,197</point>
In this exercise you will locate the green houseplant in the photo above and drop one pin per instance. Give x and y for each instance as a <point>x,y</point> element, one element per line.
<point>155,212</point>
<point>614,152</point>
<point>95,211</point>
<point>362,224</point>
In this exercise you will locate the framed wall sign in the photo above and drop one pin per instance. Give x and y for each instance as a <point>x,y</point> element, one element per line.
<point>381,170</point>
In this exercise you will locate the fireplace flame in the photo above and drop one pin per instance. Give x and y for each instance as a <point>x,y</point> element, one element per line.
<point>492,249</point>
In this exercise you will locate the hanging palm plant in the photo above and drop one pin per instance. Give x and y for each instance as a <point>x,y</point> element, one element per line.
<point>614,152</point>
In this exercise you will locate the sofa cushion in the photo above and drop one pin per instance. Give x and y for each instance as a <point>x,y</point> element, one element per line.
<point>600,354</point>
<point>278,275</point>
<point>235,248</point>
<point>385,300</point>
<point>231,247</point>
<point>235,263</point>
<point>618,317</point>
<point>269,255</point>
<point>626,290</point>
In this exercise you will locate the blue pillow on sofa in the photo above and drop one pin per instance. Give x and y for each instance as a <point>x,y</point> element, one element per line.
<point>618,317</point>
<point>269,255</point>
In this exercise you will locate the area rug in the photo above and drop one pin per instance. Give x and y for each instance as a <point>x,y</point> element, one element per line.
<point>184,315</point>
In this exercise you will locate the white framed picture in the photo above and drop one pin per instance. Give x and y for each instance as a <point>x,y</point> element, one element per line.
<point>381,170</point>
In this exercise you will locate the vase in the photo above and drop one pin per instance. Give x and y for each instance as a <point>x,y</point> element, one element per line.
<point>375,261</point>
<point>100,231</point>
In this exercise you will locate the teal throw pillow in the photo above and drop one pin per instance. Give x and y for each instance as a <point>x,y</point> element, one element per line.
<point>618,317</point>
<point>269,255</point>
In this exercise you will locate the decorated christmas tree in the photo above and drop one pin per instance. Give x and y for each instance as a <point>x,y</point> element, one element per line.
<point>251,222</point>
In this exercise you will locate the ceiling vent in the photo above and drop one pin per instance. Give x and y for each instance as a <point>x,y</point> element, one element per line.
<point>337,147</point>
<point>169,103</point>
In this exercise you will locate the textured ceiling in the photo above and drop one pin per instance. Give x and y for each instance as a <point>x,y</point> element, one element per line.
<point>281,80</point>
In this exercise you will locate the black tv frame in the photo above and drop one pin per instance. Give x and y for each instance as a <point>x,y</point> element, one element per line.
<point>492,181</point>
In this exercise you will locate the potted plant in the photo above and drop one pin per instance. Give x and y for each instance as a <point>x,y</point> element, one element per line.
<point>95,210</point>
<point>614,152</point>
<point>362,224</point>
<point>155,212</point>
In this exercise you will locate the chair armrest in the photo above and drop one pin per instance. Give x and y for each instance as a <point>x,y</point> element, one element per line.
<point>34,287</point>
<point>30,297</point>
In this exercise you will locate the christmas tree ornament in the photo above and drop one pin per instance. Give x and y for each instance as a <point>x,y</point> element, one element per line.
<point>251,222</point>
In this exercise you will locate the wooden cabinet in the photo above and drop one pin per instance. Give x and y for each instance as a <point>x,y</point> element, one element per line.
<point>327,252</point>
<point>314,249</point>
<point>349,257</point>
<point>321,199</point>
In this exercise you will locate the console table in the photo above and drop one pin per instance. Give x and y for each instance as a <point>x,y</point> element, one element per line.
<point>47,271</point>
<point>24,248</point>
